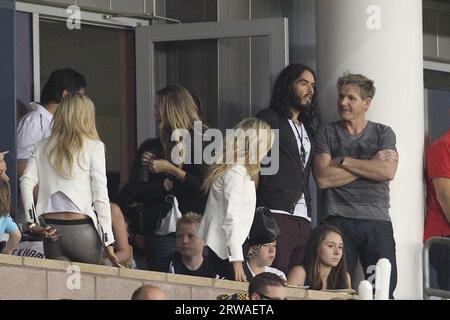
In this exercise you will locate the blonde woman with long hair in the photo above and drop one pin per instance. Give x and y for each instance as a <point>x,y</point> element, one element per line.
<point>232,196</point>
<point>174,170</point>
<point>175,109</point>
<point>72,212</point>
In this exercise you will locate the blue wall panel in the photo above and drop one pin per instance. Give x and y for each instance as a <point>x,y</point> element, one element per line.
<point>7,90</point>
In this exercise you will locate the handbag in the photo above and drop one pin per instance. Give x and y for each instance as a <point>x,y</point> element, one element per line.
<point>168,224</point>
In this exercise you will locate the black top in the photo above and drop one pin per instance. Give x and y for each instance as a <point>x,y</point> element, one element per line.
<point>189,194</point>
<point>144,195</point>
<point>173,264</point>
<point>283,190</point>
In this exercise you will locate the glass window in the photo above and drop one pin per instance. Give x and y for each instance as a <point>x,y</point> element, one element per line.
<point>437,104</point>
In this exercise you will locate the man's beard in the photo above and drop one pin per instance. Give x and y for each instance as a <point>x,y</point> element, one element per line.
<point>299,106</point>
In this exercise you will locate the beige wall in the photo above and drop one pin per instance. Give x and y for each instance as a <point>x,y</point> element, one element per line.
<point>43,279</point>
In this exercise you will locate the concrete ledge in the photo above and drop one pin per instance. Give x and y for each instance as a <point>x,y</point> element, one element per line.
<point>46,263</point>
<point>227,284</point>
<point>196,281</point>
<point>96,269</point>
<point>11,260</point>
<point>324,295</point>
<point>32,278</point>
<point>142,274</point>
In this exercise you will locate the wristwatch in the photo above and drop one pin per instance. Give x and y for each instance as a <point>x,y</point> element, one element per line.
<point>340,161</point>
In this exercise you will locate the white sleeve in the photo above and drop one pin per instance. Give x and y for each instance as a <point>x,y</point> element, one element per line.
<point>29,133</point>
<point>28,181</point>
<point>100,193</point>
<point>233,193</point>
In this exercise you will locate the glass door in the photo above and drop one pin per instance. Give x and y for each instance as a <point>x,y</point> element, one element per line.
<point>229,66</point>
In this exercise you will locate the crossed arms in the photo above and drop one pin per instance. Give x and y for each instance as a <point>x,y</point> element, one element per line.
<point>328,174</point>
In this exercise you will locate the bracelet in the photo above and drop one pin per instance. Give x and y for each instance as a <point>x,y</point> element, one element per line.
<point>31,227</point>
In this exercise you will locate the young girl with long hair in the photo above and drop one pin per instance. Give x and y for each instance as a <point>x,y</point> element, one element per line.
<point>73,210</point>
<point>232,196</point>
<point>6,223</point>
<point>324,265</point>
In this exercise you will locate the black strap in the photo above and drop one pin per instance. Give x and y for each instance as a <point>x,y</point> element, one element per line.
<point>302,148</point>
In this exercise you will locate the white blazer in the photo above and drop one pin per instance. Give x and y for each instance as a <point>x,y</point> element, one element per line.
<point>229,213</point>
<point>87,187</point>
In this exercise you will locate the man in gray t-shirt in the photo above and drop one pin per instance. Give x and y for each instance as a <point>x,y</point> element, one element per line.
<point>354,161</point>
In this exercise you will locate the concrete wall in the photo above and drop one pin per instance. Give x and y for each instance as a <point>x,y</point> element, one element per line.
<point>44,279</point>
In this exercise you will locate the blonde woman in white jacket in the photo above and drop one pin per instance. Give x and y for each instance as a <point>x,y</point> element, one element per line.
<point>72,211</point>
<point>231,201</point>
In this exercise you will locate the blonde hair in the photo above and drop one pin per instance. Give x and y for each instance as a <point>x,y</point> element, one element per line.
<point>178,111</point>
<point>73,122</point>
<point>5,198</point>
<point>240,146</point>
<point>189,218</point>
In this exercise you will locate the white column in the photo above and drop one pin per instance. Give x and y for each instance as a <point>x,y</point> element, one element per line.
<point>382,39</point>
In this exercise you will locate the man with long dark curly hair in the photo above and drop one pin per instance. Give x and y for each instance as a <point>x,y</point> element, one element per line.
<point>294,113</point>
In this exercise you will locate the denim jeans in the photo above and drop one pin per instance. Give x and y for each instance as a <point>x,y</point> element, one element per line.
<point>368,240</point>
<point>159,247</point>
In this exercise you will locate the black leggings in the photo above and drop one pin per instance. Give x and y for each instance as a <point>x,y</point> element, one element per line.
<point>79,242</point>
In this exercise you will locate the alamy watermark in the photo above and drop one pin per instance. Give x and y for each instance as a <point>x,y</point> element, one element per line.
<point>73,21</point>
<point>236,147</point>
<point>374,19</point>
<point>73,281</point>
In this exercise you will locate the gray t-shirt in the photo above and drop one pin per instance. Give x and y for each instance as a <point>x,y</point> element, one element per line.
<point>362,198</point>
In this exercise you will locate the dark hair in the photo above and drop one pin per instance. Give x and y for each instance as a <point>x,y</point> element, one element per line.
<point>60,80</point>
<point>261,281</point>
<point>337,279</point>
<point>284,97</point>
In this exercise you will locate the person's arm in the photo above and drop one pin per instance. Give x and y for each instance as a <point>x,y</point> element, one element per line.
<point>101,200</point>
<point>14,237</point>
<point>21,165</point>
<point>328,175</point>
<point>442,186</point>
<point>119,227</point>
<point>297,276</point>
<point>233,195</point>
<point>382,167</point>
<point>29,133</point>
<point>349,281</point>
<point>28,181</point>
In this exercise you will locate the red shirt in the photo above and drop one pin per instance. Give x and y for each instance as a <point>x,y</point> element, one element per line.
<point>437,166</point>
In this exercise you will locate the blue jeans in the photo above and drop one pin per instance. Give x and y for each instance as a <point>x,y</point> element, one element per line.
<point>370,240</point>
<point>159,247</point>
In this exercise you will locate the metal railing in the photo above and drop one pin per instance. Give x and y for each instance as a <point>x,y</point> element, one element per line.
<point>427,290</point>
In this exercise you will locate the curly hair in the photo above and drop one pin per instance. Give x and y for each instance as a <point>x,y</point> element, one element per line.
<point>284,97</point>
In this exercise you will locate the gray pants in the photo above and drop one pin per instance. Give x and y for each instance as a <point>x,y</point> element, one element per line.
<point>79,242</point>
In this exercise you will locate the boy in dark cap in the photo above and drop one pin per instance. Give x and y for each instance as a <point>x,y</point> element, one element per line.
<point>262,241</point>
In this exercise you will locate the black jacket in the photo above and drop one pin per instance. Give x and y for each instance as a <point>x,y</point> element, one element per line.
<point>283,190</point>
<point>144,195</point>
<point>189,194</point>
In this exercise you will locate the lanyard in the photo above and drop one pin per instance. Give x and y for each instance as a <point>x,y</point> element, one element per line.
<point>302,148</point>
